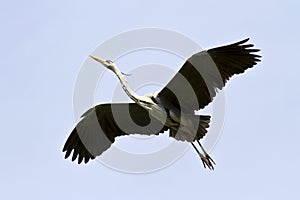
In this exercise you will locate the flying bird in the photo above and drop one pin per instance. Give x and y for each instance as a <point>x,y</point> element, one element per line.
<point>171,109</point>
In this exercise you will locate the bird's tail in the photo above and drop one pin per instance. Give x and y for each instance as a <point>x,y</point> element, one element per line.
<point>201,122</point>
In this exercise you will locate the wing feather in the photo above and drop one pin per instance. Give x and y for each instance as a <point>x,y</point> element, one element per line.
<point>102,124</point>
<point>206,72</point>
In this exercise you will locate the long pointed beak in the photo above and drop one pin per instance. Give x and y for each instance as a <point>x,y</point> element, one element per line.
<point>98,59</point>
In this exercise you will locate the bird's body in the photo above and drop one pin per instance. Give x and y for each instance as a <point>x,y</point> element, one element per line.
<point>192,88</point>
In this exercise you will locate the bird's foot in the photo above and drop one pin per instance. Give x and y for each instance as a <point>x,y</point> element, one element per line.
<point>207,161</point>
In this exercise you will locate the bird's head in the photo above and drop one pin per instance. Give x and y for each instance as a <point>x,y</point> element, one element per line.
<point>106,63</point>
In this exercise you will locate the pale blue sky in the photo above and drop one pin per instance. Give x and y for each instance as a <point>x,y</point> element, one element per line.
<point>43,45</point>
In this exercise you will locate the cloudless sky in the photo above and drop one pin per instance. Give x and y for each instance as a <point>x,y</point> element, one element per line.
<point>44,43</point>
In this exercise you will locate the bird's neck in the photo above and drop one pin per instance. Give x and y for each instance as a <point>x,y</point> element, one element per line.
<point>126,87</point>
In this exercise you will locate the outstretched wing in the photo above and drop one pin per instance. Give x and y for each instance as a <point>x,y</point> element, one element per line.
<point>198,80</point>
<point>102,124</point>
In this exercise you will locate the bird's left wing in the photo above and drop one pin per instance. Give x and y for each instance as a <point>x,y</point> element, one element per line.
<point>198,80</point>
<point>101,124</point>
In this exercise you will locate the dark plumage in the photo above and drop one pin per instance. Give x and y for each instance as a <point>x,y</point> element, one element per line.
<point>192,88</point>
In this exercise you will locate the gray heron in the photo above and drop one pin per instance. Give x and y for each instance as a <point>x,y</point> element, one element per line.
<point>173,108</point>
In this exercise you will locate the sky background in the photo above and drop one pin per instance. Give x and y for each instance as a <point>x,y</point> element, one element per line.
<point>44,43</point>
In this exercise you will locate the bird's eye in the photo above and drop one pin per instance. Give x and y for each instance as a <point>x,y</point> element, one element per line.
<point>109,61</point>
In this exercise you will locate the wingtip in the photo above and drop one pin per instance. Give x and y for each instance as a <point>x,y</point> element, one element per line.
<point>68,154</point>
<point>246,39</point>
<point>243,41</point>
<point>80,159</point>
<point>64,148</point>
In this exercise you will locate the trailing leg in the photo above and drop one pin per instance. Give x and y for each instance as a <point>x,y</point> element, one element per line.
<point>206,159</point>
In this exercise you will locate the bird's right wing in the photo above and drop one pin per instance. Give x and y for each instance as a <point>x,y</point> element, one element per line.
<point>101,124</point>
